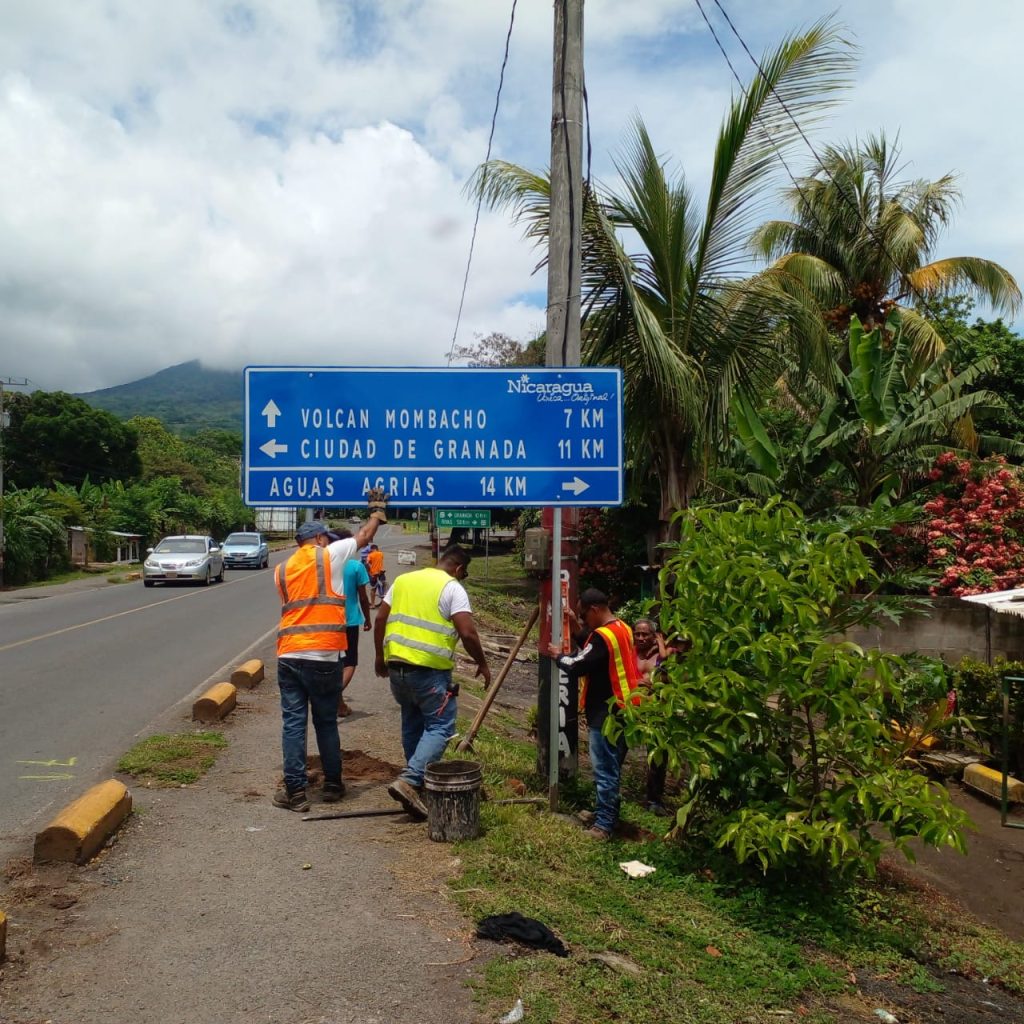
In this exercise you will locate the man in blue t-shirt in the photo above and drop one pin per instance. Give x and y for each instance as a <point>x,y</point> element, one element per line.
<point>357,617</point>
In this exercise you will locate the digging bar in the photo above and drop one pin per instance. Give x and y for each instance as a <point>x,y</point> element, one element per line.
<point>379,813</point>
<point>466,743</point>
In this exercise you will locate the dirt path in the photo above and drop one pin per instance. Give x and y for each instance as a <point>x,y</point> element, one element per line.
<point>214,906</point>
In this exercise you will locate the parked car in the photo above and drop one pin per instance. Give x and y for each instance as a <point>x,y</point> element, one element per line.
<point>189,558</point>
<point>245,551</point>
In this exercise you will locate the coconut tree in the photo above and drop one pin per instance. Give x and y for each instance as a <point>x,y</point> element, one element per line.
<point>862,241</point>
<point>662,291</point>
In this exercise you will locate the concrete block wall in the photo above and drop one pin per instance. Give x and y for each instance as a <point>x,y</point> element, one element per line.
<point>955,629</point>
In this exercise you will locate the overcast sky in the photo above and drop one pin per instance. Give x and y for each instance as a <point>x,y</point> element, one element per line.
<point>281,181</point>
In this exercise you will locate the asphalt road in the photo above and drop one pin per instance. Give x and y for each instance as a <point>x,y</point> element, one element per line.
<point>84,671</point>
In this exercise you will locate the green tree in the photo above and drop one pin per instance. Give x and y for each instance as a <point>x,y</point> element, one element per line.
<point>782,726</point>
<point>54,437</point>
<point>884,424</point>
<point>499,349</point>
<point>674,314</point>
<point>35,541</point>
<point>862,243</point>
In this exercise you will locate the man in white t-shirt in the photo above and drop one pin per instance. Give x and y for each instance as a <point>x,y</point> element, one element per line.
<point>422,617</point>
<point>310,641</point>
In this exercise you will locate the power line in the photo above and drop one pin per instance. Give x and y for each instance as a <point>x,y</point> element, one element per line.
<point>480,192</point>
<point>821,164</point>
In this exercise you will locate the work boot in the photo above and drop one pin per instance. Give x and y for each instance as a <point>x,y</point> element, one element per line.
<point>291,800</point>
<point>343,710</point>
<point>332,792</point>
<point>406,795</point>
<point>597,834</point>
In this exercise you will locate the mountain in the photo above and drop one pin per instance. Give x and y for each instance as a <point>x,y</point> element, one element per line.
<point>185,398</point>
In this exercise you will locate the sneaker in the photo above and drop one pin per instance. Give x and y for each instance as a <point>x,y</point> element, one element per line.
<point>332,792</point>
<point>406,795</point>
<point>597,834</point>
<point>344,710</point>
<point>291,800</point>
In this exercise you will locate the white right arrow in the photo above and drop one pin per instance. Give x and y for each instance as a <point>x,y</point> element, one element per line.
<point>576,485</point>
<point>272,448</point>
<point>271,411</point>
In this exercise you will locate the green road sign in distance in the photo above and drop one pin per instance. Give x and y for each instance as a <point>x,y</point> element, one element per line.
<point>464,518</point>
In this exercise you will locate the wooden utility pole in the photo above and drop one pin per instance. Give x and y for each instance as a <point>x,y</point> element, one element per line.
<point>556,700</point>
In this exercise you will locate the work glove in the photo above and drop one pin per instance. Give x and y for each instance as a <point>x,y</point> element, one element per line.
<point>377,503</point>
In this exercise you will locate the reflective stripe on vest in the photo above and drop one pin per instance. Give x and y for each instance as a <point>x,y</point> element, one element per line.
<point>622,670</point>
<point>416,631</point>
<point>312,612</point>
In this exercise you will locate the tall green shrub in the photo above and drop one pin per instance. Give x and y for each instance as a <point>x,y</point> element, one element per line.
<point>782,725</point>
<point>979,692</point>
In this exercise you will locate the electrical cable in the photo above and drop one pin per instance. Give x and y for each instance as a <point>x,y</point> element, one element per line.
<point>480,192</point>
<point>760,122</point>
<point>803,135</point>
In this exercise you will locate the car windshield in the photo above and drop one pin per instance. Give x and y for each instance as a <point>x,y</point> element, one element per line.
<point>180,547</point>
<point>243,538</point>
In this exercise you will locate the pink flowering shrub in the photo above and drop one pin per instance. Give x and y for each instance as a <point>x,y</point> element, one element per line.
<point>973,533</point>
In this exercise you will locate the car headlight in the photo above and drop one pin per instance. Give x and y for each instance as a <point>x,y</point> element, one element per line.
<point>150,564</point>
<point>193,562</point>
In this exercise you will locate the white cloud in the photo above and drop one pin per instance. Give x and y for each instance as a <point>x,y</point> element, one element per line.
<point>263,182</point>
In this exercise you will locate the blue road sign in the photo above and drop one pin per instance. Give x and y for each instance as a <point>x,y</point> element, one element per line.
<point>317,435</point>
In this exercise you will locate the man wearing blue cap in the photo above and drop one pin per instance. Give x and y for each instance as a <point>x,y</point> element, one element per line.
<point>310,640</point>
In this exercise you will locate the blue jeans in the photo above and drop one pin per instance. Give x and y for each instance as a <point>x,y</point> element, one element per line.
<point>315,685</point>
<point>428,715</point>
<point>606,759</point>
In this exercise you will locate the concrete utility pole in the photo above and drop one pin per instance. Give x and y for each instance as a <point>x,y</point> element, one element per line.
<point>556,699</point>
<point>19,382</point>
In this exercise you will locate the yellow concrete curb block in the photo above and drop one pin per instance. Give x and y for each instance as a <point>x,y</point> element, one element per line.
<point>83,826</point>
<point>218,700</point>
<point>3,935</point>
<point>990,782</point>
<point>248,674</point>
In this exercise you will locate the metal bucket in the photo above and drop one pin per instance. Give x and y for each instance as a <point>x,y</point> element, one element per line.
<point>452,789</point>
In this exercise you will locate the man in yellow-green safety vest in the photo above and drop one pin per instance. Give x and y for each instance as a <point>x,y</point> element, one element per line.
<point>422,617</point>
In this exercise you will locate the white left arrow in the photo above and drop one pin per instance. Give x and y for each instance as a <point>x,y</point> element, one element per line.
<point>576,485</point>
<point>272,448</point>
<point>271,411</point>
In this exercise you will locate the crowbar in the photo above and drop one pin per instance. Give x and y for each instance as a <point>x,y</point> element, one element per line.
<point>379,813</point>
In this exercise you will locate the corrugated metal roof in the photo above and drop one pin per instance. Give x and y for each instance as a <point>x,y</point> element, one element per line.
<point>1006,602</point>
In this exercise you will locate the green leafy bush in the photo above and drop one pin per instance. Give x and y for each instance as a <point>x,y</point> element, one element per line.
<point>783,727</point>
<point>979,690</point>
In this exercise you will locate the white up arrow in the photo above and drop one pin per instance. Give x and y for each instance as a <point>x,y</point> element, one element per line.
<point>576,485</point>
<point>271,448</point>
<point>271,411</point>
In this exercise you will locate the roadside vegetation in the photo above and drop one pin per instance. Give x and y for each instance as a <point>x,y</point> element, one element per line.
<point>176,759</point>
<point>701,939</point>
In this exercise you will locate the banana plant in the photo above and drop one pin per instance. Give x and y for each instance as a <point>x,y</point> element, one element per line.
<point>887,418</point>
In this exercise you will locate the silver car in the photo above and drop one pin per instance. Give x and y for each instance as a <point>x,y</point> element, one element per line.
<point>189,558</point>
<point>245,551</point>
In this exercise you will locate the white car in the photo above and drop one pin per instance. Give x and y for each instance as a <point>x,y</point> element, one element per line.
<point>187,558</point>
<point>245,551</point>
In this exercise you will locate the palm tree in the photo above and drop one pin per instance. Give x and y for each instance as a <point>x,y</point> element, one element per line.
<point>674,314</point>
<point>862,242</point>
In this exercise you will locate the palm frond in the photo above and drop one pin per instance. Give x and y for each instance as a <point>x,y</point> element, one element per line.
<point>957,273</point>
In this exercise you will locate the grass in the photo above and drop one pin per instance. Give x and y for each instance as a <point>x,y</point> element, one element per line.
<point>78,574</point>
<point>713,945</point>
<point>178,759</point>
<point>503,598</point>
